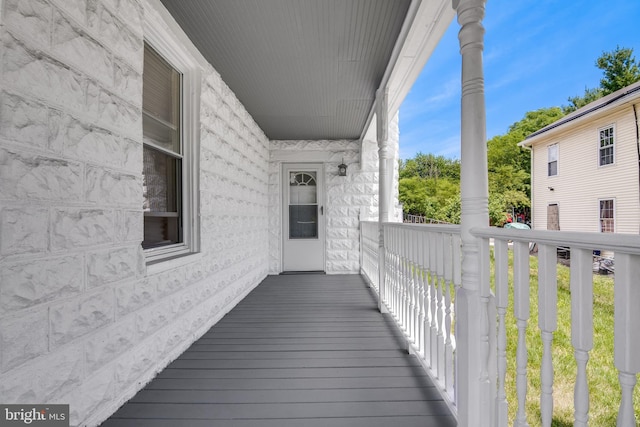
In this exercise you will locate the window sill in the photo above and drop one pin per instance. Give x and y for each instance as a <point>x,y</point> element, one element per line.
<point>161,265</point>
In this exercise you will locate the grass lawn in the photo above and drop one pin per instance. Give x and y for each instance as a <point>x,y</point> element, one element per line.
<point>603,377</point>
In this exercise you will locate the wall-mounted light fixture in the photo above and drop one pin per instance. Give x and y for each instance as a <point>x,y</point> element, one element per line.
<point>551,188</point>
<point>342,169</point>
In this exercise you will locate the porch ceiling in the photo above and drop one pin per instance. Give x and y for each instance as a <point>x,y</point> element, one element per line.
<point>304,69</point>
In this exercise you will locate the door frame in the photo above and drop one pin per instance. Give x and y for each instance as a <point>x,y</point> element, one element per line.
<point>285,167</point>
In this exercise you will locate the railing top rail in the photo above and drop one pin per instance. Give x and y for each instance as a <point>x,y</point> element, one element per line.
<point>626,243</point>
<point>436,228</point>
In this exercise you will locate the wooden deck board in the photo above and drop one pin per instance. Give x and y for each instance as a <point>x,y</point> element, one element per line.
<point>287,396</point>
<point>300,350</point>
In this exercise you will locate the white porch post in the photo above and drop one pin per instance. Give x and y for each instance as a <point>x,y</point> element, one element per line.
<point>472,323</point>
<point>382,113</point>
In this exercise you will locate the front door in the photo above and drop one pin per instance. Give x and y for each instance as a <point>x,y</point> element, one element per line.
<point>303,217</point>
<point>553,217</point>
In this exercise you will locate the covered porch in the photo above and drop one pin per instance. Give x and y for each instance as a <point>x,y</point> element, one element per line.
<point>267,94</point>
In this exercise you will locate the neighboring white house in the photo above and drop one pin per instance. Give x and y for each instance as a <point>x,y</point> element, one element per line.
<point>585,167</point>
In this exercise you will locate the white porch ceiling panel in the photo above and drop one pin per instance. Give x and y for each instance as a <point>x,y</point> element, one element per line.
<point>304,69</point>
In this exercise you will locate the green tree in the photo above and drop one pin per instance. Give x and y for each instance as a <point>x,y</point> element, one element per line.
<point>535,120</point>
<point>430,166</point>
<point>619,68</point>
<point>413,194</point>
<point>578,101</point>
<point>451,211</point>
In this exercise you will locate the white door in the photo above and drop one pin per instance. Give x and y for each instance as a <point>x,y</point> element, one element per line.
<point>303,217</point>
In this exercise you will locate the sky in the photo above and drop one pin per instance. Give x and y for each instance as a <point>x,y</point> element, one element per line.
<point>537,53</point>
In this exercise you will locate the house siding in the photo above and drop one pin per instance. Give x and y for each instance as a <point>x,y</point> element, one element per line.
<point>348,198</point>
<point>581,183</point>
<point>83,319</point>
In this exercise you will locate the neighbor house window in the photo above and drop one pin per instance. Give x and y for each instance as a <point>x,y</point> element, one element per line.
<point>607,216</point>
<point>552,156</point>
<point>606,146</point>
<point>167,166</point>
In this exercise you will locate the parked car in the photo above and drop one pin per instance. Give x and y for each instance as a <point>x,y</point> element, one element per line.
<point>517,225</point>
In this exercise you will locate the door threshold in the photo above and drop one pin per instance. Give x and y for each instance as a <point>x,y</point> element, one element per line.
<point>286,273</point>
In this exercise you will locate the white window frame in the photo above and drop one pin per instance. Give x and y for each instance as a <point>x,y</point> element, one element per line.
<point>613,145</point>
<point>600,218</point>
<point>176,55</point>
<point>557,150</point>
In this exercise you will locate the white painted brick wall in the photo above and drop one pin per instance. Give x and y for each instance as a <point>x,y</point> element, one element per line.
<point>83,320</point>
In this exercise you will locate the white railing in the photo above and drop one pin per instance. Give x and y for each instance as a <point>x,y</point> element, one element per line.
<point>421,271</point>
<point>422,268</point>
<point>369,242</point>
<point>626,315</point>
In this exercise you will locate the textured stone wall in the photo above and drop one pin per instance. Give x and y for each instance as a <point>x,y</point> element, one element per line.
<point>83,319</point>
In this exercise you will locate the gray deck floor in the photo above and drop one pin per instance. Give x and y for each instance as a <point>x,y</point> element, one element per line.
<point>300,350</point>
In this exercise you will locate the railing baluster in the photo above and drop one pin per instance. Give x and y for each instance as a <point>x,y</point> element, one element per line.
<point>487,369</point>
<point>457,281</point>
<point>411,288</point>
<point>501,256</point>
<point>581,284</point>
<point>415,236</point>
<point>393,272</point>
<point>427,298</point>
<point>448,344</point>
<point>547,322</point>
<point>433,302</point>
<point>521,311</point>
<point>403,280</point>
<point>421,294</point>
<point>626,326</point>
<point>388,269</point>
<point>439,288</point>
<point>408,284</point>
<point>388,283</point>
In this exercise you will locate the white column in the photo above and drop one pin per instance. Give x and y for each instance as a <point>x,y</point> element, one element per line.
<point>472,329</point>
<point>384,154</point>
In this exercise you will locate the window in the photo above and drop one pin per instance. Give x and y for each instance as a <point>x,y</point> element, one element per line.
<point>169,144</point>
<point>606,146</point>
<point>162,152</point>
<point>552,162</point>
<point>607,213</point>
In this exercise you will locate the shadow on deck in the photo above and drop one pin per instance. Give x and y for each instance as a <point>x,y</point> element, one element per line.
<point>300,350</point>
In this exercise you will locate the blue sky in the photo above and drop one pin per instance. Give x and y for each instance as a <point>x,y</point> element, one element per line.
<point>537,54</point>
